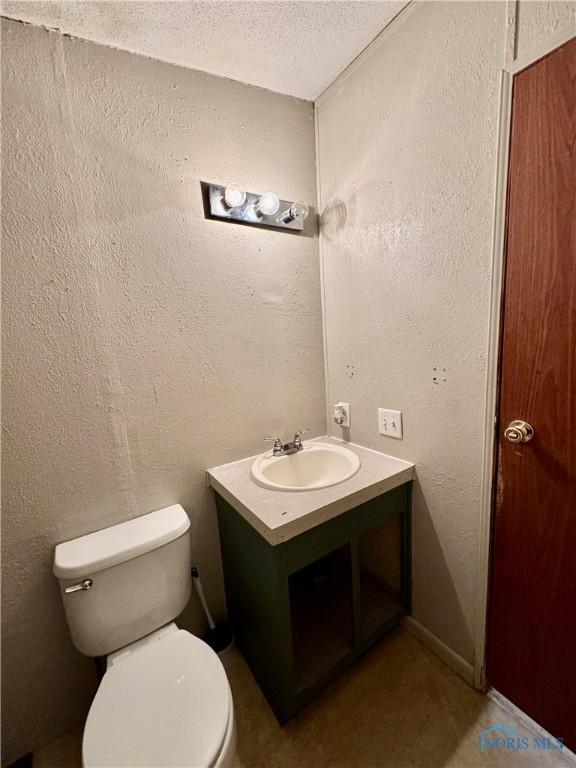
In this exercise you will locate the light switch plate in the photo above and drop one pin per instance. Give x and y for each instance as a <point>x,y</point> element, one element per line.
<point>390,423</point>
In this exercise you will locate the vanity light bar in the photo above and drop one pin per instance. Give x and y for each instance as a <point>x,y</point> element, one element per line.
<point>234,204</point>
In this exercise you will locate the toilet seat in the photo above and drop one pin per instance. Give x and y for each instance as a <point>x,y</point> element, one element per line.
<point>167,703</point>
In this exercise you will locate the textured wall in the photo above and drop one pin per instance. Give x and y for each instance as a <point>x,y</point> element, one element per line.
<point>407,143</point>
<point>142,343</point>
<point>538,21</point>
<point>407,146</point>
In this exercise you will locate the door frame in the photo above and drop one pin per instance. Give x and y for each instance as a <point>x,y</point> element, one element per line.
<point>493,360</point>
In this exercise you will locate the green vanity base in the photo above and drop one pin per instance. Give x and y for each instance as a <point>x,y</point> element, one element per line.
<point>304,610</point>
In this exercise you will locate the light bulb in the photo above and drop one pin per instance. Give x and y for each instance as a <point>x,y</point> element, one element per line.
<point>299,210</point>
<point>234,195</point>
<point>268,204</point>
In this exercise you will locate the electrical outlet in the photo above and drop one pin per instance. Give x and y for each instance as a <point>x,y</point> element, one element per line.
<point>342,414</point>
<point>390,423</point>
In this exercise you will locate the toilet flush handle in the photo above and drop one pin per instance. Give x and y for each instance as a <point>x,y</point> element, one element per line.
<point>82,587</point>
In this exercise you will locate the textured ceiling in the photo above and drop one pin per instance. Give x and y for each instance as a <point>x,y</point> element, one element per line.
<point>291,46</point>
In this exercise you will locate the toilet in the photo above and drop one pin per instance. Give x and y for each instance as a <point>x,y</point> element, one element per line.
<point>164,699</point>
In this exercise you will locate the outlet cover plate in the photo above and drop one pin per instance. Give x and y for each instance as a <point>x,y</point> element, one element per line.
<point>344,409</point>
<point>390,423</point>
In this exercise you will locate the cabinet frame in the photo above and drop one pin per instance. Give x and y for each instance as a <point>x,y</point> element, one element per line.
<point>256,576</point>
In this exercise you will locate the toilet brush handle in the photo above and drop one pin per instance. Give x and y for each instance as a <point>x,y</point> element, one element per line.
<point>202,596</point>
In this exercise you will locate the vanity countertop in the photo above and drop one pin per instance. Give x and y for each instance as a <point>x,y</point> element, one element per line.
<point>280,515</point>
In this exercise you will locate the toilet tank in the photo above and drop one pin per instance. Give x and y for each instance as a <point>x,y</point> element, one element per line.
<point>138,574</point>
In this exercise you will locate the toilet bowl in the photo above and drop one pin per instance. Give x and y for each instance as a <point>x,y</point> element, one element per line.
<point>164,699</point>
<point>166,702</point>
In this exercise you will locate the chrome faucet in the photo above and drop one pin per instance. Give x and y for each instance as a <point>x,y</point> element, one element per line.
<point>287,449</point>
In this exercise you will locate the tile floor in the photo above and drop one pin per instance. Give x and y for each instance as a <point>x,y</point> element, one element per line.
<point>398,707</point>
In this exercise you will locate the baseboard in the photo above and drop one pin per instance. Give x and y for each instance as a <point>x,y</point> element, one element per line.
<point>463,668</point>
<point>525,720</point>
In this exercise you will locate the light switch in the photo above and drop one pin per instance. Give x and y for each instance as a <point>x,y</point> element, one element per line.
<point>390,423</point>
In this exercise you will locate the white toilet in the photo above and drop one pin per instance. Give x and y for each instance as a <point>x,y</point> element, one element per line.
<point>165,699</point>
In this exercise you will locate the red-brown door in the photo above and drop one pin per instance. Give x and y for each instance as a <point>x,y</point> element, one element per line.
<point>532,614</point>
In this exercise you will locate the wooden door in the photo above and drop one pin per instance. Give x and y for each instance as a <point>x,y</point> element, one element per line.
<point>532,612</point>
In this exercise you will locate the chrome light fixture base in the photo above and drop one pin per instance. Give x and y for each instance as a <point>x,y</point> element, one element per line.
<point>215,207</point>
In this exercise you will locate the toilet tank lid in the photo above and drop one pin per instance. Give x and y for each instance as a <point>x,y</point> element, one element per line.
<point>103,549</point>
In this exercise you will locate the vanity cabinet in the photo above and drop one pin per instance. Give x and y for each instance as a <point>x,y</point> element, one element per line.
<point>304,609</point>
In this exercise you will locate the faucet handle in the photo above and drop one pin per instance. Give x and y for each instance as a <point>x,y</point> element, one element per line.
<point>278,449</point>
<point>298,435</point>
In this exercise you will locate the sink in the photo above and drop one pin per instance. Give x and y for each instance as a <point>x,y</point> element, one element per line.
<point>319,465</point>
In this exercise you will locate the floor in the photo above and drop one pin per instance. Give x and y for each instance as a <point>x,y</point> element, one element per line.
<point>398,707</point>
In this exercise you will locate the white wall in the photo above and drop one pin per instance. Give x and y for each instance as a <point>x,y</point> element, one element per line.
<point>537,22</point>
<point>406,145</point>
<point>142,343</point>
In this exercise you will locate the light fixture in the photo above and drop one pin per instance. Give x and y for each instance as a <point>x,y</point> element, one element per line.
<point>299,210</point>
<point>235,204</point>
<point>234,195</point>
<point>268,204</point>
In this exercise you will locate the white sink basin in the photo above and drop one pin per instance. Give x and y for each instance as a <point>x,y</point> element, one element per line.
<point>319,465</point>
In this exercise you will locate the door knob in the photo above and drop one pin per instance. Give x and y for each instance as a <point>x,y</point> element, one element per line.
<point>519,432</point>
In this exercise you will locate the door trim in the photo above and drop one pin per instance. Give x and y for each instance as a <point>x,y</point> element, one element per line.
<point>495,317</point>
